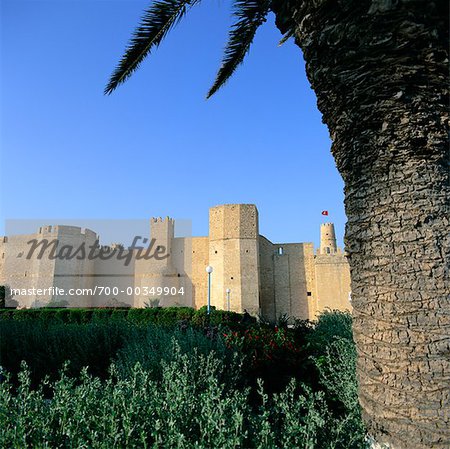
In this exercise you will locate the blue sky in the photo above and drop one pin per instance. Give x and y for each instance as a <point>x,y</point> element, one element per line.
<point>156,147</point>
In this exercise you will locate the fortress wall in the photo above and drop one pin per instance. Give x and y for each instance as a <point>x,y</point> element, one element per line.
<point>46,270</point>
<point>13,258</point>
<point>182,261</point>
<point>261,278</point>
<point>287,280</point>
<point>43,269</point>
<point>281,282</point>
<point>200,260</point>
<point>157,272</point>
<point>267,276</point>
<point>74,271</point>
<point>250,277</point>
<point>3,248</point>
<point>22,273</point>
<point>249,260</point>
<point>300,256</point>
<point>224,258</point>
<point>328,243</point>
<point>333,282</point>
<point>299,306</point>
<point>311,285</point>
<point>114,275</point>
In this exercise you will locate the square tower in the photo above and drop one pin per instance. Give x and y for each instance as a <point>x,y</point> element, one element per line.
<point>234,256</point>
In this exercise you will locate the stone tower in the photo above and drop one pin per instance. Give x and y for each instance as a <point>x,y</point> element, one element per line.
<point>157,272</point>
<point>162,230</point>
<point>327,239</point>
<point>234,256</point>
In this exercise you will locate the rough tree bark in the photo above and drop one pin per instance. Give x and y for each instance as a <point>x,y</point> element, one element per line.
<point>380,72</point>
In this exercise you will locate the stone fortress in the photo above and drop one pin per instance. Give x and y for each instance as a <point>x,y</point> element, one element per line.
<point>264,278</point>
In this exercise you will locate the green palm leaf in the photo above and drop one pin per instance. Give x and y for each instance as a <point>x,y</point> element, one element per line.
<point>158,20</point>
<point>250,15</point>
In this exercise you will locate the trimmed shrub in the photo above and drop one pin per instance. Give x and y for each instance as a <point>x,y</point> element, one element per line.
<point>221,318</point>
<point>45,347</point>
<point>167,316</point>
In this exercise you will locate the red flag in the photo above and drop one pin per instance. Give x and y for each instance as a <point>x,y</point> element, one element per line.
<point>324,212</point>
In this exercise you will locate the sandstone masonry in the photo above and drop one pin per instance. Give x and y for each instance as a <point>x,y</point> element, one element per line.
<point>270,279</point>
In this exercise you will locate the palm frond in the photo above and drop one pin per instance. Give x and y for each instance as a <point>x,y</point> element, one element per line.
<point>157,21</point>
<point>250,15</point>
<point>286,37</point>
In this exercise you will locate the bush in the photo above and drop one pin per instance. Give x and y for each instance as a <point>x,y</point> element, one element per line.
<point>167,316</point>
<point>177,386</point>
<point>46,347</point>
<point>97,337</point>
<point>216,317</point>
<point>337,378</point>
<point>186,406</point>
<point>150,346</point>
<point>330,324</point>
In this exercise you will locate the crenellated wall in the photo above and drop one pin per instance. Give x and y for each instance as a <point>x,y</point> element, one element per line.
<point>44,268</point>
<point>265,278</point>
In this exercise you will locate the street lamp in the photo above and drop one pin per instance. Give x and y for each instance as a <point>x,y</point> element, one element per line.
<point>228,298</point>
<point>209,270</point>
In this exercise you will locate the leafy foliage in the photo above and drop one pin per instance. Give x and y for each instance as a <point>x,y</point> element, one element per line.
<point>187,405</point>
<point>186,408</point>
<point>55,304</point>
<point>151,345</point>
<point>178,386</point>
<point>330,325</point>
<point>337,378</point>
<point>168,316</point>
<point>46,347</point>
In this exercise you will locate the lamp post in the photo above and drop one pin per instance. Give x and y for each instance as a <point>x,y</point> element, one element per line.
<point>209,270</point>
<point>228,298</point>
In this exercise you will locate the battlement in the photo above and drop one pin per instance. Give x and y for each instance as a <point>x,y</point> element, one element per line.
<point>233,221</point>
<point>162,220</point>
<point>114,247</point>
<point>338,252</point>
<point>328,243</point>
<point>46,229</point>
<point>66,230</point>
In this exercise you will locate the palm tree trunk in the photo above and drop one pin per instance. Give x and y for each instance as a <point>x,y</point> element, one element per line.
<point>380,72</point>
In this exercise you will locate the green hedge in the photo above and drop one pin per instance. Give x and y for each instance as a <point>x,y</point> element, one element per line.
<point>167,316</point>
